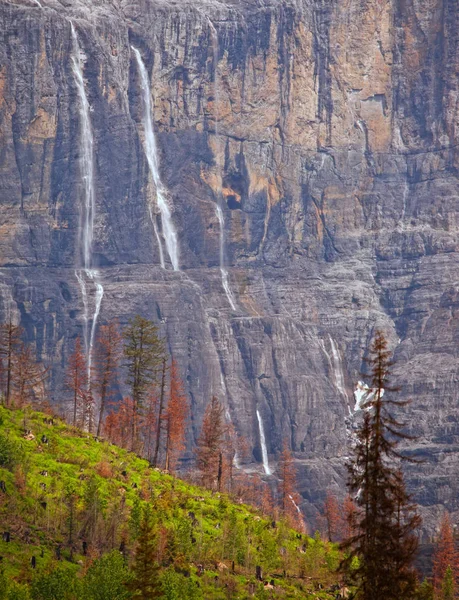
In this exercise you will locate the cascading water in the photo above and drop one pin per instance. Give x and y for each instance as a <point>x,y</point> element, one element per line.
<point>264,451</point>
<point>298,509</point>
<point>151,152</point>
<point>87,273</point>
<point>218,205</point>
<point>338,369</point>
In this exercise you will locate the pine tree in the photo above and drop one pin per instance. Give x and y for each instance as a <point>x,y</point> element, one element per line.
<point>76,380</point>
<point>445,556</point>
<point>448,586</point>
<point>145,570</point>
<point>108,357</point>
<point>210,445</point>
<point>385,540</point>
<point>144,354</point>
<point>176,417</point>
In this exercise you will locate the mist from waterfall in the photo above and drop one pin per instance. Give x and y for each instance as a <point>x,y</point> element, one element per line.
<point>218,204</point>
<point>151,152</point>
<point>88,206</point>
<point>264,451</point>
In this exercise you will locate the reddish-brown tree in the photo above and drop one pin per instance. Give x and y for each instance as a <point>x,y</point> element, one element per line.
<point>76,380</point>
<point>288,495</point>
<point>28,376</point>
<point>332,517</point>
<point>445,556</point>
<point>267,502</point>
<point>210,447</point>
<point>118,424</point>
<point>10,342</point>
<point>349,522</point>
<point>176,418</point>
<point>108,356</point>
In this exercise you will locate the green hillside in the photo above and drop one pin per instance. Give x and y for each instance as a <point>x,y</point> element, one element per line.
<point>71,513</point>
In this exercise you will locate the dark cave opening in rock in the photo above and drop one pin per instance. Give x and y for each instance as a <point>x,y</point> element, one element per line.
<point>233,202</point>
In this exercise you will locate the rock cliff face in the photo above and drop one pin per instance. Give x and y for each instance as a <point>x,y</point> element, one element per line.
<point>324,130</point>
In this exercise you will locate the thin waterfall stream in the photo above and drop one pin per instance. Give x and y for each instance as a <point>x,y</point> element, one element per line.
<point>264,451</point>
<point>337,368</point>
<point>151,152</point>
<point>88,206</point>
<point>218,204</point>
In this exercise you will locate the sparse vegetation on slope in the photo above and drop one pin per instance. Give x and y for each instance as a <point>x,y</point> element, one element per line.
<point>76,512</point>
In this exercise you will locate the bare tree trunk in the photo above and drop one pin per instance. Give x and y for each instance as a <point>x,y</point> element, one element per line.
<point>160,412</point>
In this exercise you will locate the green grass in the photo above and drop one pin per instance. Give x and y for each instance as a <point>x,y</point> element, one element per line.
<point>88,475</point>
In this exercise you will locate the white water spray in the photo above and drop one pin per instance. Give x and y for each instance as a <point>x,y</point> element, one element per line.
<point>151,152</point>
<point>87,273</point>
<point>264,451</point>
<point>337,368</point>
<point>218,204</point>
<point>38,3</point>
<point>223,271</point>
<point>99,296</point>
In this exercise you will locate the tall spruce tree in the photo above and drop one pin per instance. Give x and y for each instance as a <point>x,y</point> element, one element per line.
<point>145,570</point>
<point>144,354</point>
<point>385,540</point>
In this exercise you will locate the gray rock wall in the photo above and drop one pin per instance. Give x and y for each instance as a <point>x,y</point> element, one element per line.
<point>329,129</point>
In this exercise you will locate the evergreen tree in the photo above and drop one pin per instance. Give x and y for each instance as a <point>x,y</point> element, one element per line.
<point>106,578</point>
<point>385,540</point>
<point>145,582</point>
<point>144,353</point>
<point>210,447</point>
<point>448,587</point>
<point>445,557</point>
<point>108,356</point>
<point>10,342</point>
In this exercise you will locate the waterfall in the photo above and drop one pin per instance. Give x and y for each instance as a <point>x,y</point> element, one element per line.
<point>294,504</point>
<point>264,451</point>
<point>218,204</point>
<point>38,3</point>
<point>99,296</point>
<point>338,369</point>
<point>406,191</point>
<point>151,152</point>
<point>86,146</point>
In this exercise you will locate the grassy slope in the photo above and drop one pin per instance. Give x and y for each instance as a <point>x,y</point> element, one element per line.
<point>222,532</point>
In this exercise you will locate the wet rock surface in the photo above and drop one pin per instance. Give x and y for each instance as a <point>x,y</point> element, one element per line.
<point>328,129</point>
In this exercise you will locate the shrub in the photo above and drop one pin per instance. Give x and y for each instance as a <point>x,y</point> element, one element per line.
<point>104,469</point>
<point>106,579</point>
<point>61,584</point>
<point>9,452</point>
